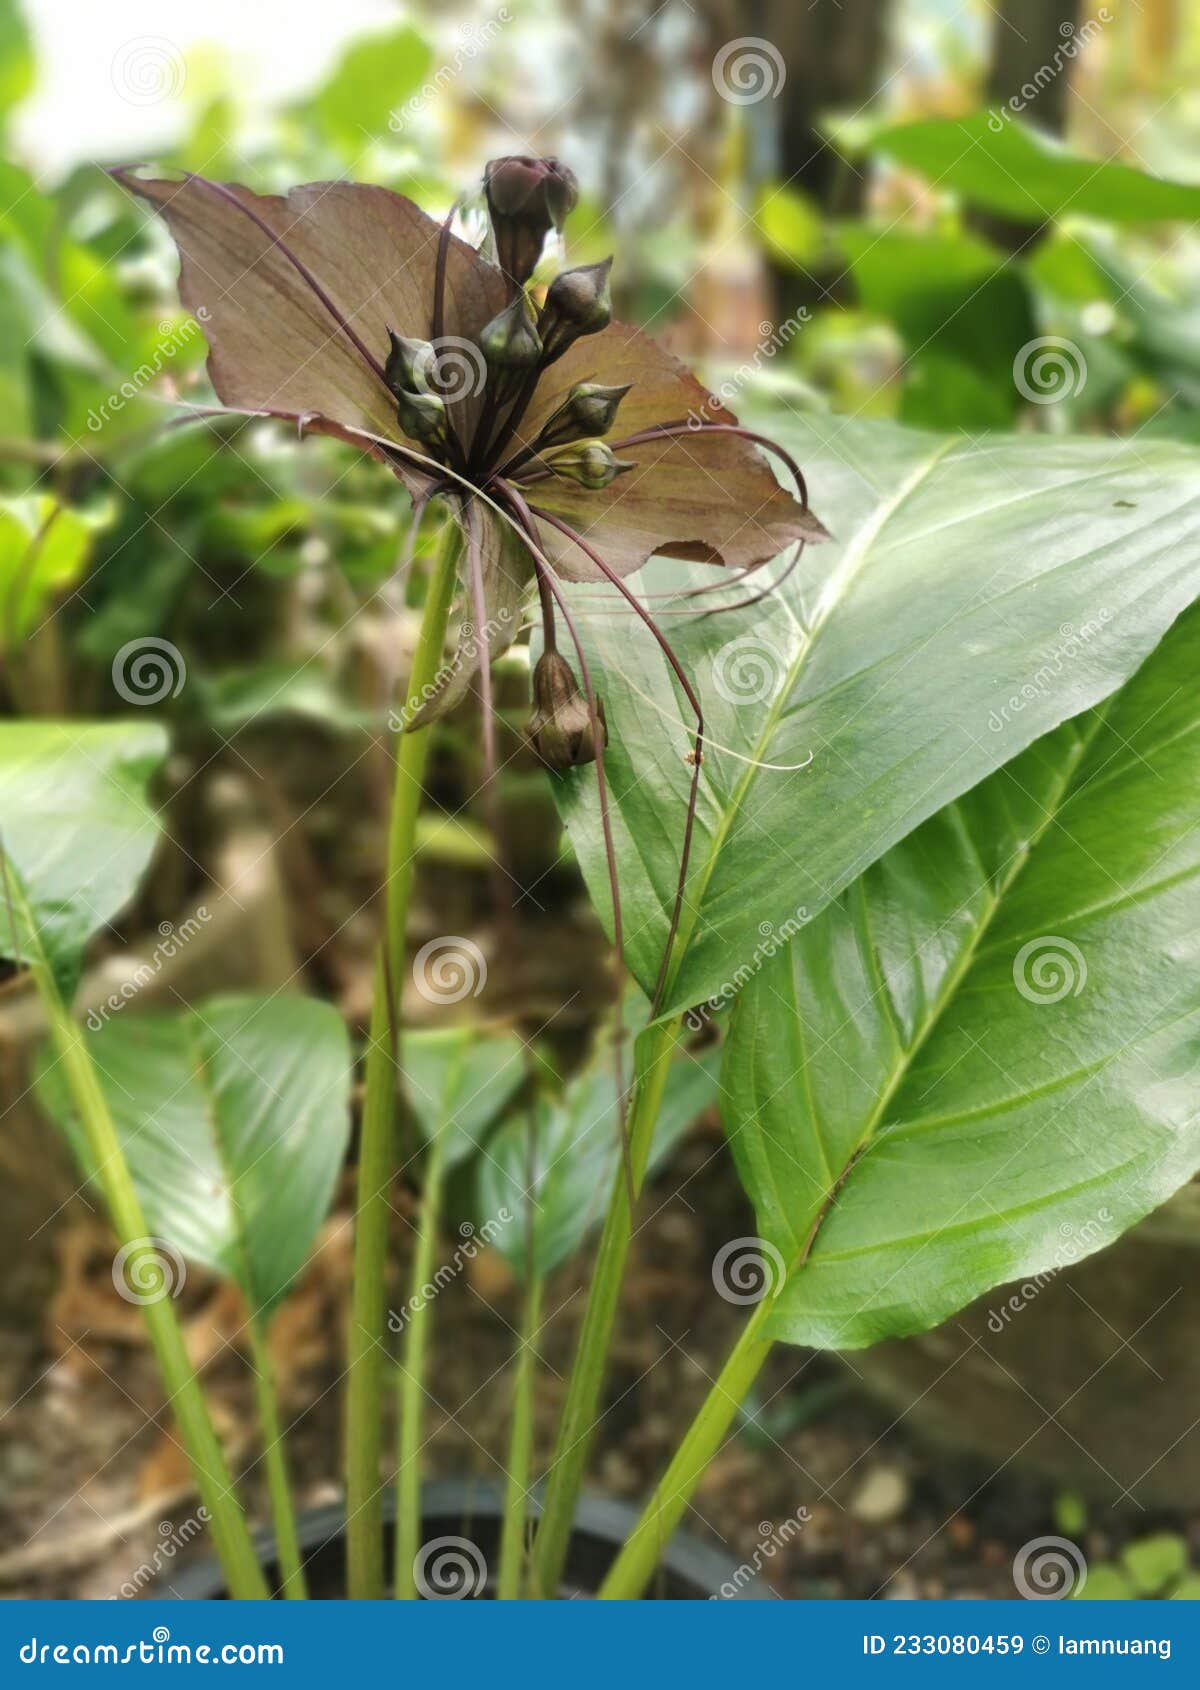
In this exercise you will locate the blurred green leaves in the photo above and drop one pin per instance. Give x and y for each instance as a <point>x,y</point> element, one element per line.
<point>995,161</point>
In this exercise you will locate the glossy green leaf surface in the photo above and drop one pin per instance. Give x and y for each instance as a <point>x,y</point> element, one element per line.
<point>77,832</point>
<point>979,593</point>
<point>234,1119</point>
<point>986,1048</point>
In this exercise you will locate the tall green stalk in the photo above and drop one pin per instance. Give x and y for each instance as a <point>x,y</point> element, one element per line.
<point>520,1450</point>
<point>587,1371</point>
<point>364,1397</point>
<point>410,1406</point>
<point>629,1573</point>
<point>227,1523</point>
<point>283,1512</point>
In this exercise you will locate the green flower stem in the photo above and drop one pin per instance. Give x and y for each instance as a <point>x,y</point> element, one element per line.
<point>411,1398</point>
<point>520,1450</point>
<point>227,1523</point>
<point>587,1372</point>
<point>283,1512</point>
<point>364,1397</point>
<point>629,1573</point>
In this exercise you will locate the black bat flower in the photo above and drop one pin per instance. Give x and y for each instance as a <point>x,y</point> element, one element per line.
<point>569,446</point>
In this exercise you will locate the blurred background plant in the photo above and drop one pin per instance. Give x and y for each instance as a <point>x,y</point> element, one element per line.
<point>958,214</point>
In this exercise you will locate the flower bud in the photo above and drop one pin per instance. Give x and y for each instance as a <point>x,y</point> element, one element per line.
<point>422,416</point>
<point>560,728</point>
<point>510,341</point>
<point>409,364</point>
<point>589,462</point>
<point>588,410</point>
<point>581,298</point>
<point>526,197</point>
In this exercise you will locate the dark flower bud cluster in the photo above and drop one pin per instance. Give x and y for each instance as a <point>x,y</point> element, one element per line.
<point>420,413</point>
<point>589,463</point>
<point>560,728</point>
<point>526,198</point>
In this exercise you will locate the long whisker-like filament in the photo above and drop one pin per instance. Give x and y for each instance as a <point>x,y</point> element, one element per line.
<point>697,756</point>
<point>551,593</point>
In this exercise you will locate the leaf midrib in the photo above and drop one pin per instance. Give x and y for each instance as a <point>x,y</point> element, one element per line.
<point>852,563</point>
<point>995,899</point>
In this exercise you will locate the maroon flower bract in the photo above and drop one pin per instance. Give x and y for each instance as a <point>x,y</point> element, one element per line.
<point>347,309</point>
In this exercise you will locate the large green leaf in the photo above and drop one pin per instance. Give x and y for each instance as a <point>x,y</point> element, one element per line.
<point>234,1118</point>
<point>991,1039</point>
<point>457,1080</point>
<point>76,832</point>
<point>997,162</point>
<point>553,1176</point>
<point>981,593</point>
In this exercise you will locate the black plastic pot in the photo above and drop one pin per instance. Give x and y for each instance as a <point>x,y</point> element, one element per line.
<point>470,1512</point>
